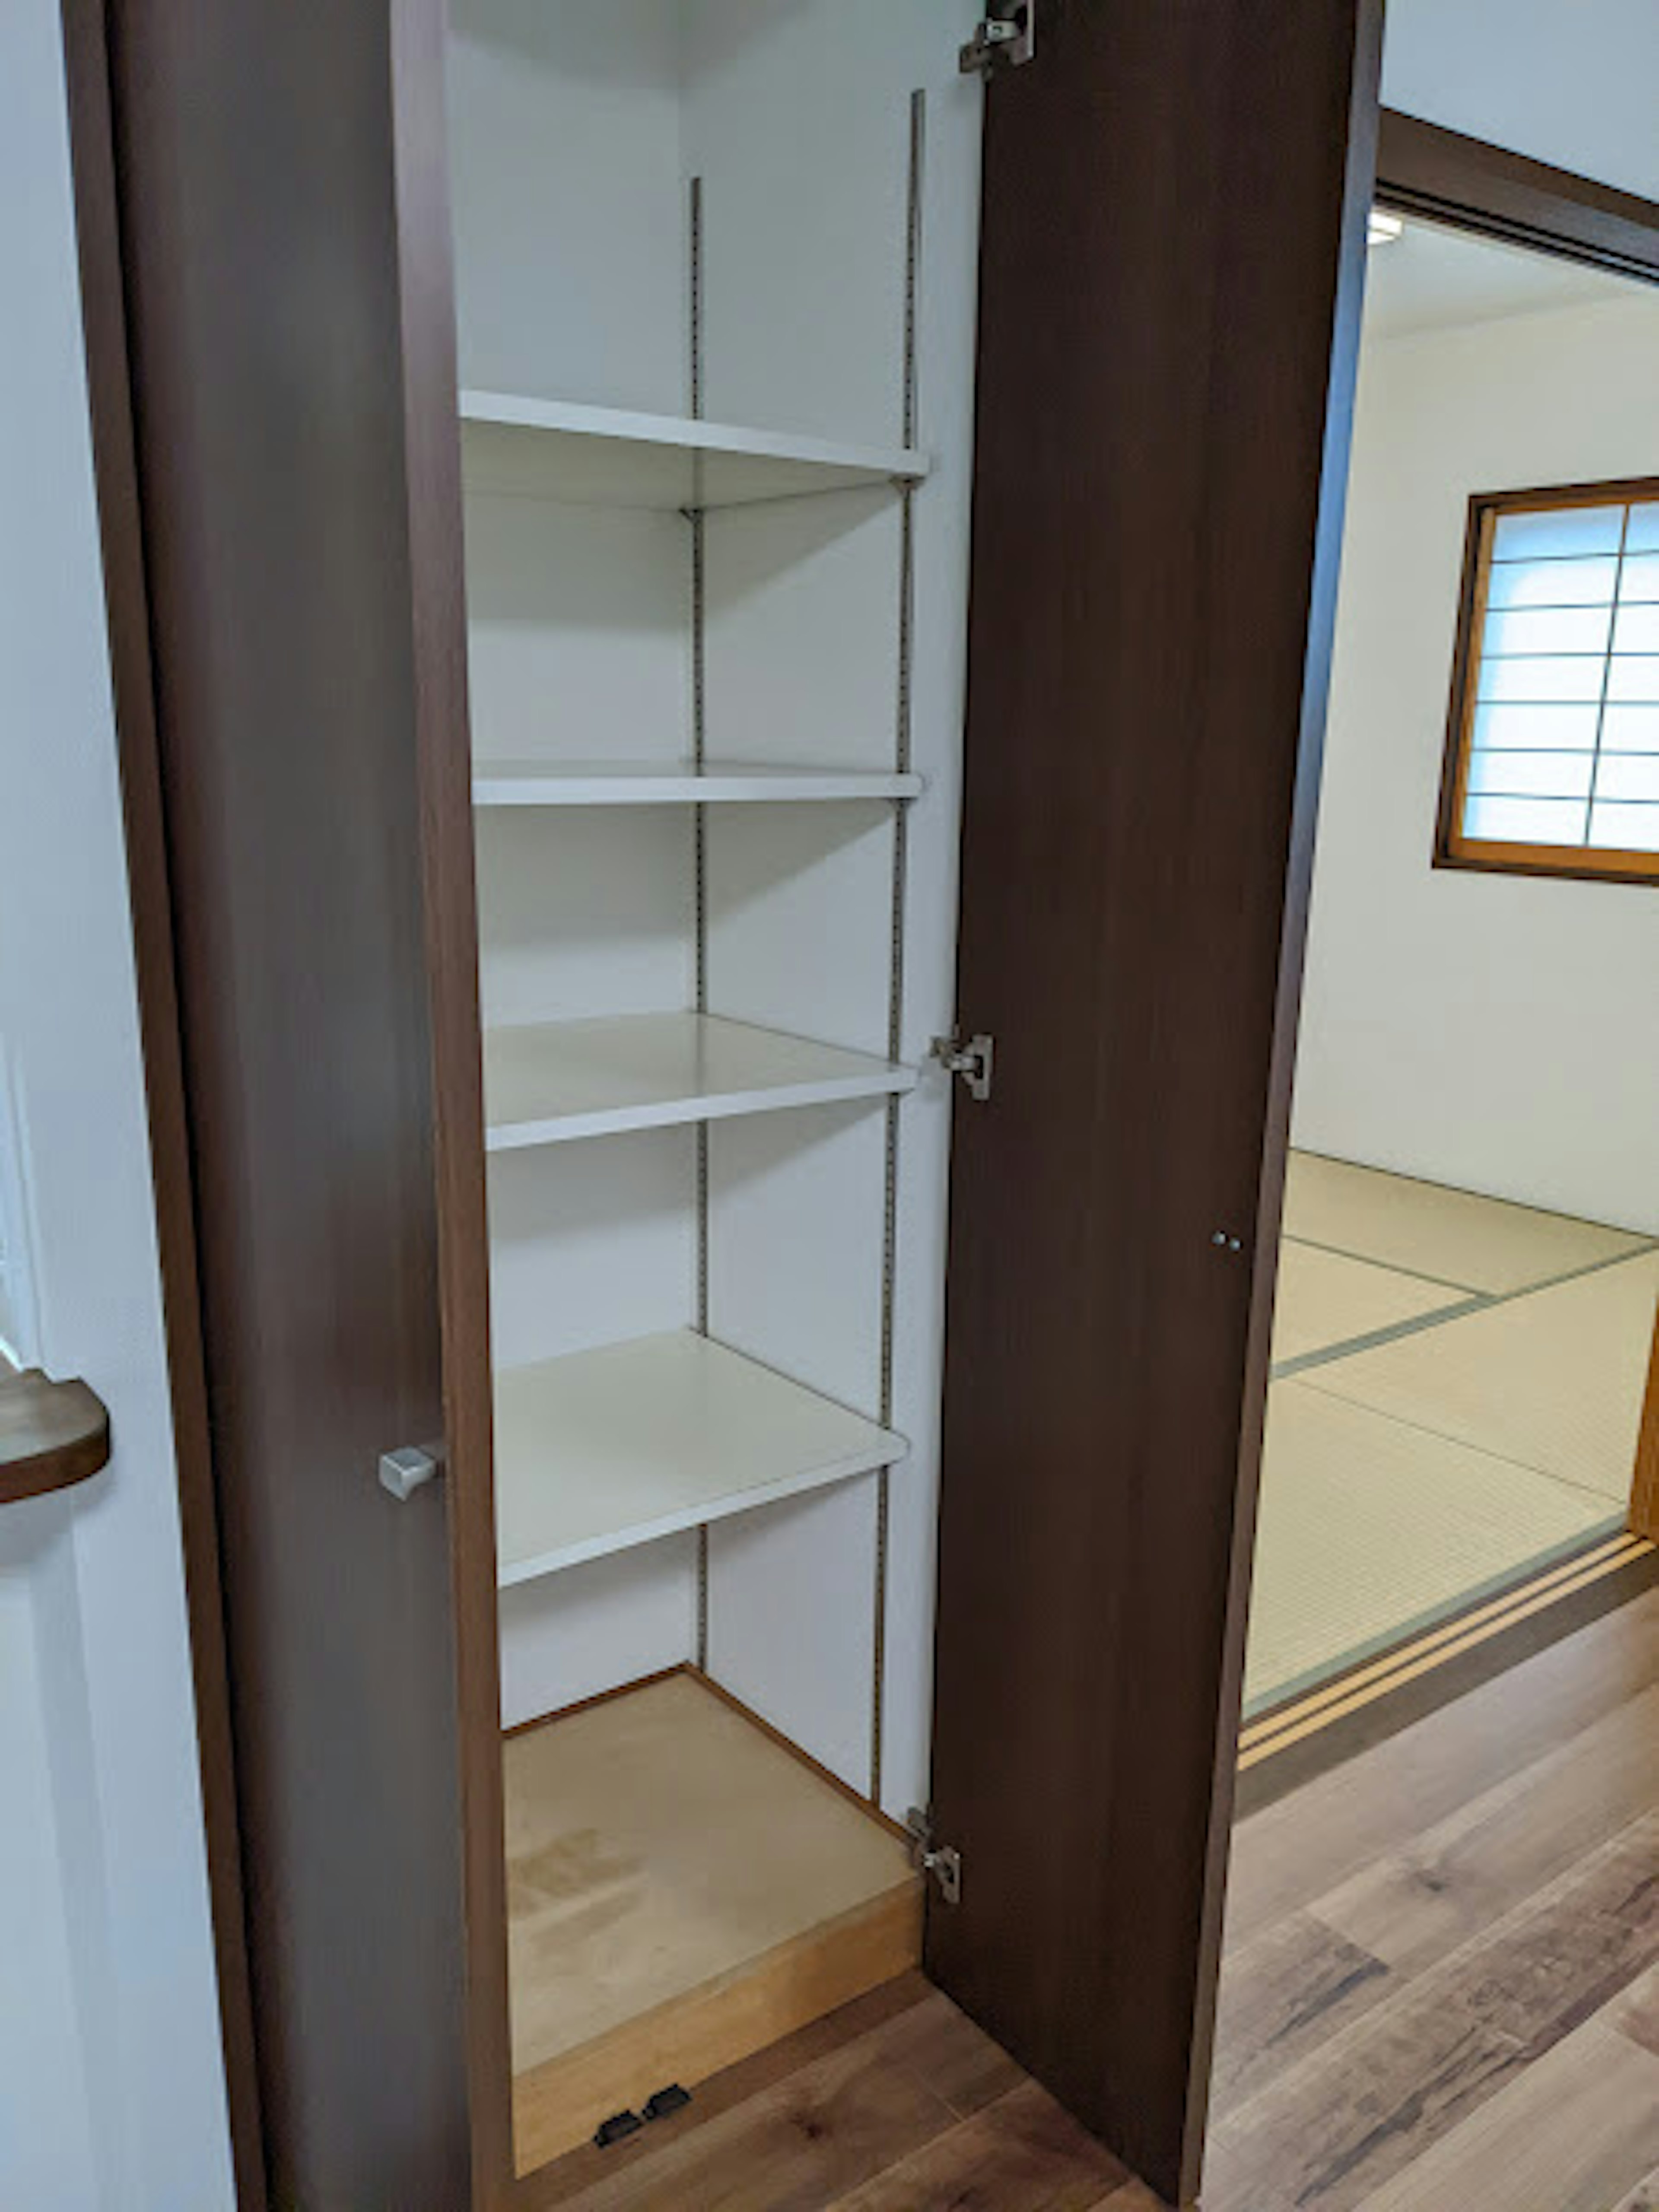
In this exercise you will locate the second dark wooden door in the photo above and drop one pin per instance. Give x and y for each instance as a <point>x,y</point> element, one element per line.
<point>260,194</point>
<point>1173,238</point>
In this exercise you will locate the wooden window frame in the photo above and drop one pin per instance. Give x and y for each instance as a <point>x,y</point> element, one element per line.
<point>1452,848</point>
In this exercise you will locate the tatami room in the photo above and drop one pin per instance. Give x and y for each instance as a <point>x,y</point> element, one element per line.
<point>1470,1255</point>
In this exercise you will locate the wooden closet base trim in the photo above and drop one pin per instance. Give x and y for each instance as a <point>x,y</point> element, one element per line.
<point>599,1697</point>
<point>557,2105</point>
<point>573,2179</point>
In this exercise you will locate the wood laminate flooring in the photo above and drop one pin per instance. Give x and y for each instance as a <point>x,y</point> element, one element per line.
<point>1442,1984</point>
<point>1441,1995</point>
<point>896,2103</point>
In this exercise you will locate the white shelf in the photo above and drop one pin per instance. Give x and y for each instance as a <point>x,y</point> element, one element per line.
<point>547,1082</point>
<point>600,1450</point>
<point>605,457</point>
<point>672,783</point>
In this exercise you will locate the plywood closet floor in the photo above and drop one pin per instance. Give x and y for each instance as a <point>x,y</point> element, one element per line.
<point>681,1889</point>
<point>1457,1392</point>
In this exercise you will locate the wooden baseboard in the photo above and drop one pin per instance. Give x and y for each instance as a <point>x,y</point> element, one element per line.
<point>557,2105</point>
<point>599,1698</point>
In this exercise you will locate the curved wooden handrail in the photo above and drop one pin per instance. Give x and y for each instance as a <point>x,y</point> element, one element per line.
<point>51,1434</point>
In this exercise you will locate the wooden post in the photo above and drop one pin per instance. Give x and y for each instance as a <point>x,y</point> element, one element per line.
<point>1644,1490</point>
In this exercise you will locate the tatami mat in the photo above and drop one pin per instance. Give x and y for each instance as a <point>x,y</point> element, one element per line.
<point>1403,1481</point>
<point>1325,1299</point>
<point>1369,1528</point>
<point>1480,1243</point>
<point>1552,1381</point>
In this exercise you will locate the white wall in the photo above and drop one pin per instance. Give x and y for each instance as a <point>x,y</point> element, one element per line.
<point>1491,1031</point>
<point>1572,82</point>
<point>111,2090</point>
<point>565,161</point>
<point>803,212</point>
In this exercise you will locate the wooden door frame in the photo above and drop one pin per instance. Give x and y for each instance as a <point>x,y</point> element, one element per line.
<point>138,761</point>
<point>1423,169</point>
<point>1644,1485</point>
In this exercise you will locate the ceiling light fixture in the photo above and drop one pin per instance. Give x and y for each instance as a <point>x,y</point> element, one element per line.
<point>1384,229</point>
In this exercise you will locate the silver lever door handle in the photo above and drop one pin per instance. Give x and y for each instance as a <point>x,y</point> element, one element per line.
<point>403,1471</point>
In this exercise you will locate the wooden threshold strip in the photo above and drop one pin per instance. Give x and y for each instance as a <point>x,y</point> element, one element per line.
<point>1364,1698</point>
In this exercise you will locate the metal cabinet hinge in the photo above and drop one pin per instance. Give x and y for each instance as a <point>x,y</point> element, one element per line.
<point>941,1861</point>
<point>1007,38</point>
<point>975,1062</point>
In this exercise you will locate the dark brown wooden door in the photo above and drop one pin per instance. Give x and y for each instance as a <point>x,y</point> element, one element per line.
<point>271,341</point>
<point>1175,200</point>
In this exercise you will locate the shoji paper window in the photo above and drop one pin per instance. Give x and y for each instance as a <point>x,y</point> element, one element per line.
<point>1554,759</point>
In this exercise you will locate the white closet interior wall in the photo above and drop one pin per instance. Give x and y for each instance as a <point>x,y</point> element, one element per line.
<point>575,133</point>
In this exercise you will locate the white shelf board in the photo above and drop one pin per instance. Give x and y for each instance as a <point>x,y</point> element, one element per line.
<point>605,457</point>
<point>599,1450</point>
<point>547,1082</point>
<point>671,783</point>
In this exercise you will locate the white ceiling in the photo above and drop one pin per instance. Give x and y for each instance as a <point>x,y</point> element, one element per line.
<point>1433,278</point>
<point>1569,81</point>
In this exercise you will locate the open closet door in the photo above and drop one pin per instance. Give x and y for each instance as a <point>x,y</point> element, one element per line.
<point>1175,203</point>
